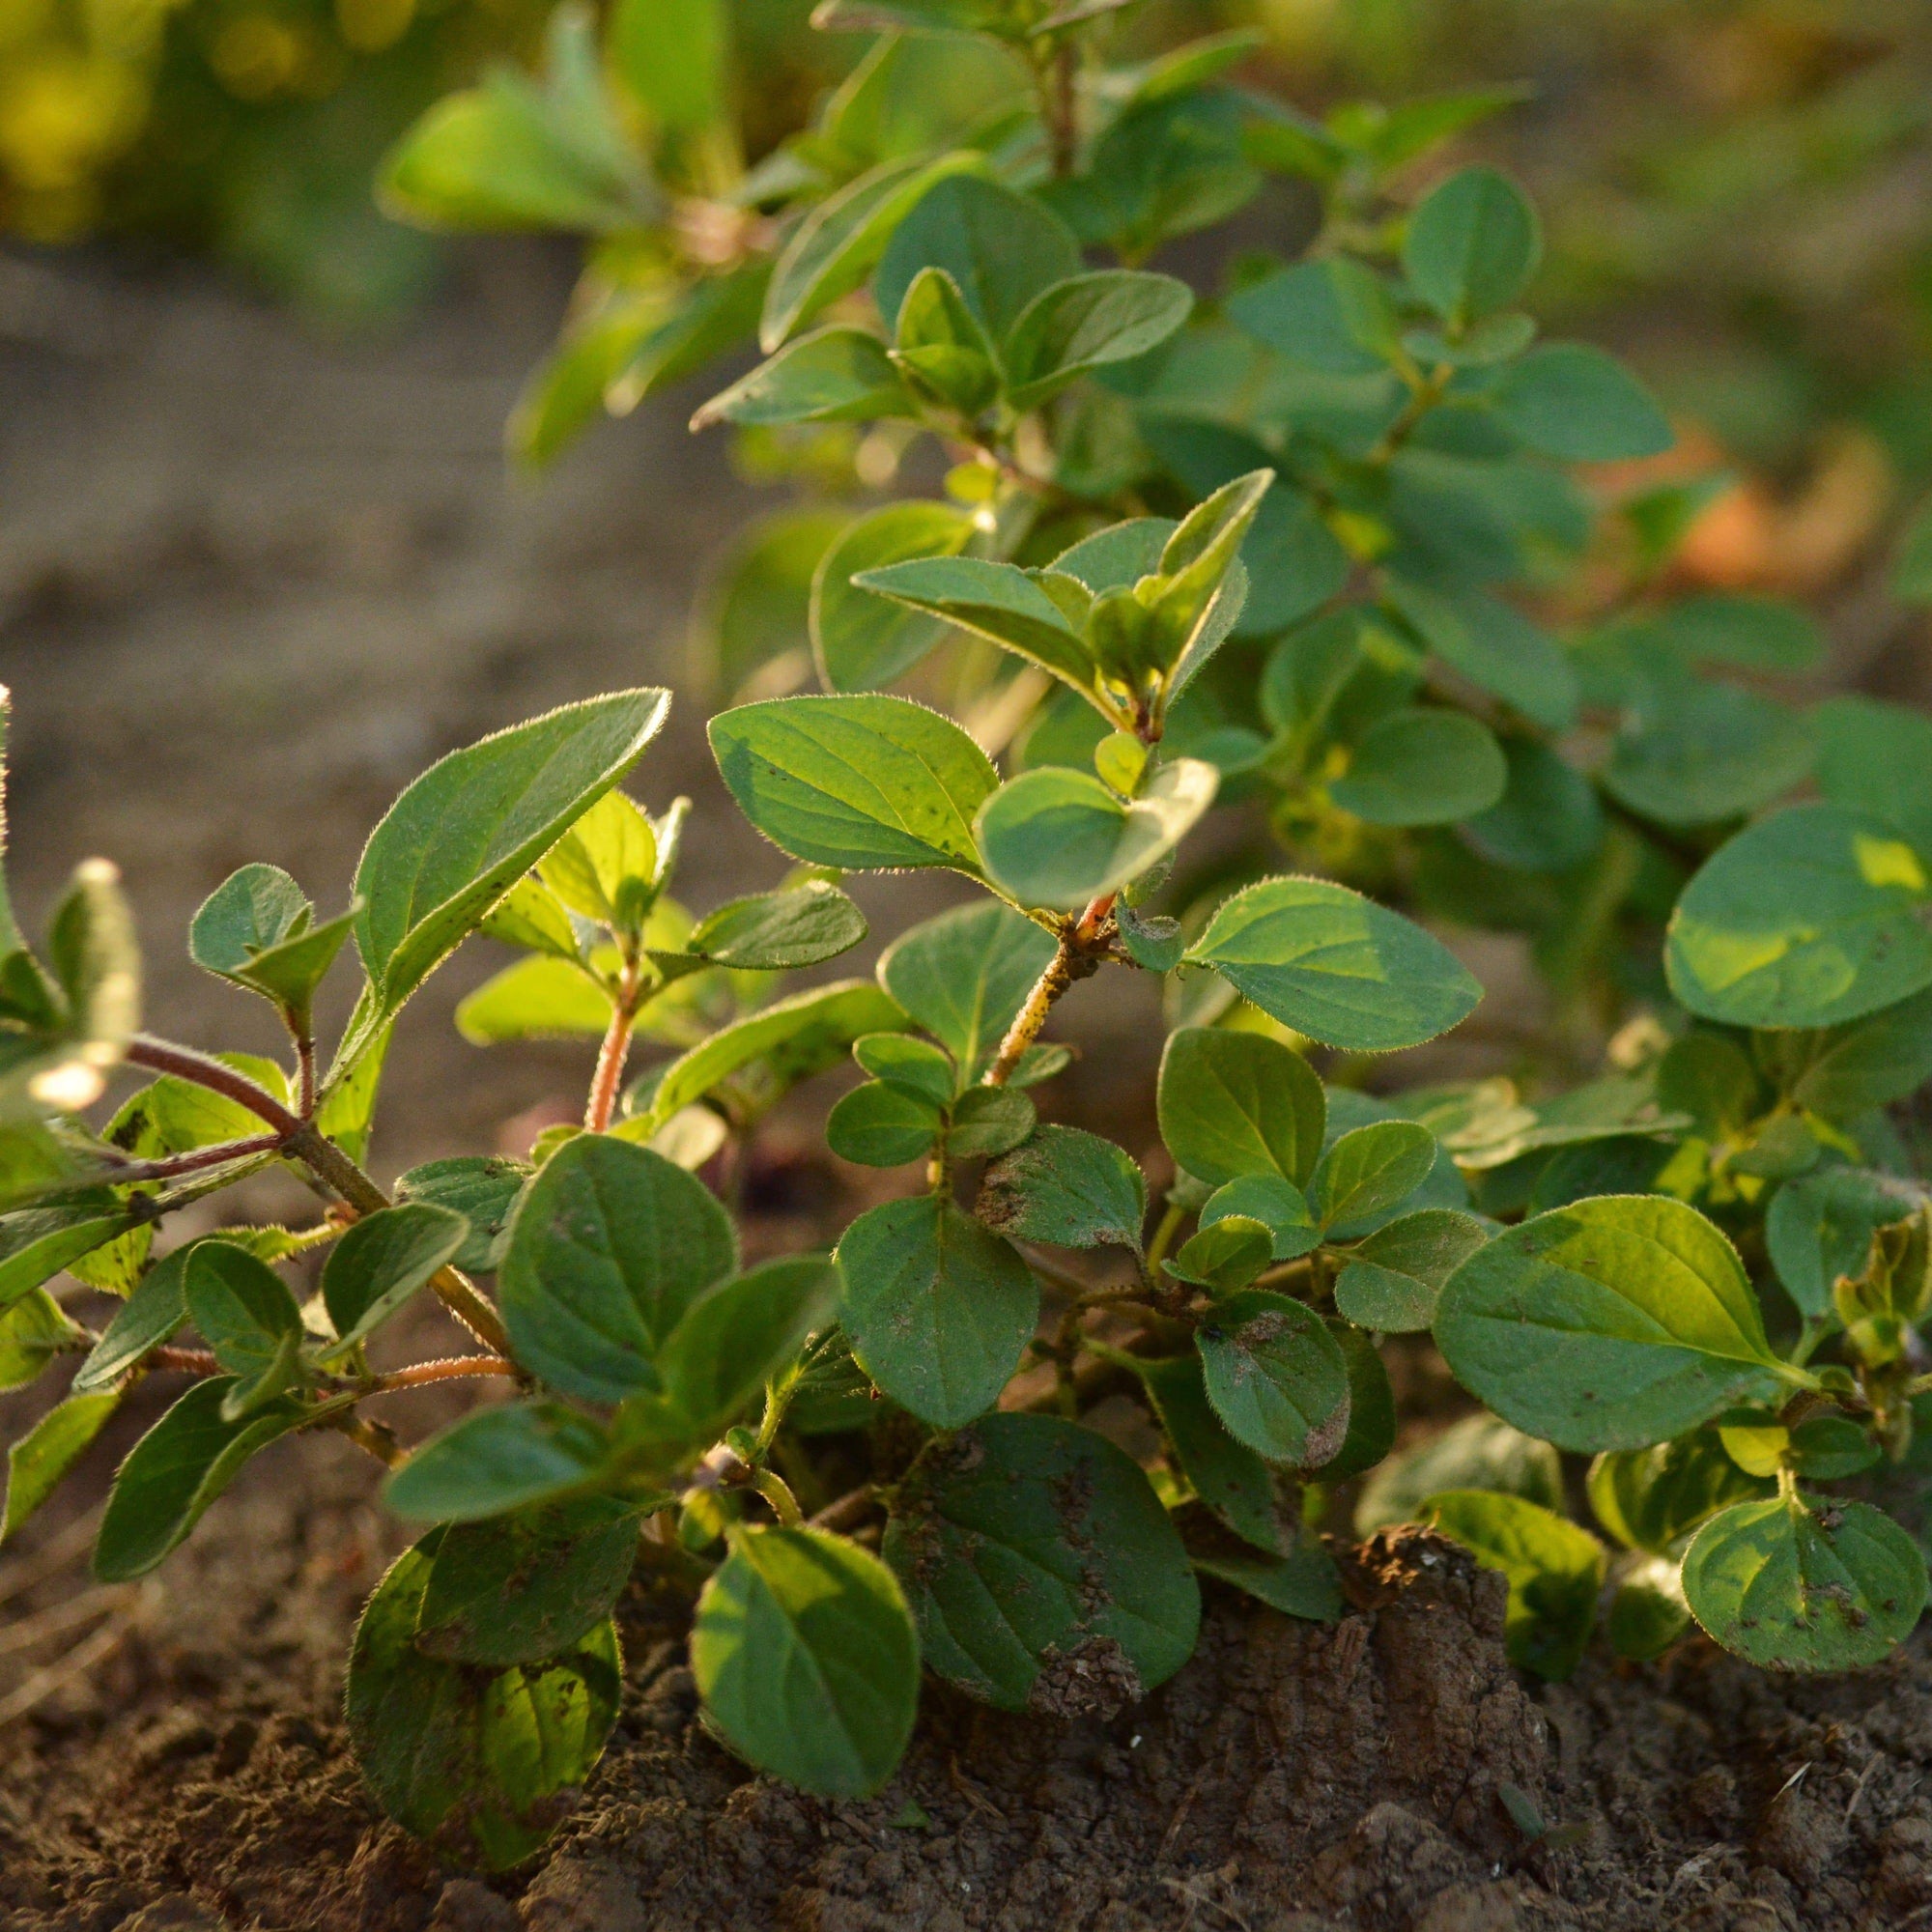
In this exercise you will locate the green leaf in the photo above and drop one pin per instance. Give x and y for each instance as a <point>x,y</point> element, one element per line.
<point>605,867</point>
<point>1549,818</point>
<point>862,782</point>
<point>808,1660</point>
<point>1554,1570</point>
<point>1422,767</point>
<point>59,1060</point>
<point>452,844</point>
<point>1276,1377</point>
<point>38,1460</point>
<point>1393,1278</point>
<point>1912,573</point>
<point>32,1333</point>
<point>1059,838</point>
<point>496,1460</point>
<point>1705,751</point>
<point>610,1244</point>
<point>1227,1254</point>
<point>36,1243</point>
<point>1110,315</point>
<point>1580,405</point>
<point>257,928</point>
<point>1757,632</point>
<point>1472,246</point>
<point>383,1259</point>
<point>780,1044</point>
<point>1278,1205</point>
<point>738,1335</point>
<point>877,1126</point>
<point>1303,1583</point>
<point>987,1122</point>
<point>671,55</point>
<point>482,1188</point>
<point>246,1315</point>
<point>1001,248</point>
<point>1236,1103</point>
<point>773,933</point>
<point>915,1067</point>
<point>538,998</point>
<point>1843,1071</point>
<point>1810,918</point>
<point>1611,1324</point>
<point>861,641</point>
<point>1479,1452</point>
<point>835,248</point>
<point>1656,1498</point>
<point>834,375</point>
<point>1371,1419</point>
<point>1044,1573</point>
<point>1370,1170</point>
<point>1820,1226</point>
<point>996,601</point>
<point>965,976</point>
<point>177,1470</point>
<point>1333,315</point>
<point>1647,1612</point>
<point>481,1765</point>
<point>152,1314</point>
<point>757,599</point>
<point>1065,1188</point>
<point>527,1586</point>
<point>1229,1478</point>
<point>1805,1583</point>
<point>1336,966</point>
<point>1496,648</point>
<point>938,1310</point>
<point>1873,757</point>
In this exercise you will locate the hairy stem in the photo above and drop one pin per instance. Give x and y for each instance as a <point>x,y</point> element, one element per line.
<point>169,1167</point>
<point>183,1362</point>
<point>610,1058</point>
<point>445,1369</point>
<point>846,1510</point>
<point>184,1062</point>
<point>1079,953</point>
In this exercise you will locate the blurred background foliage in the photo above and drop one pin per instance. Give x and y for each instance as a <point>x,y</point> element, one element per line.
<point>1739,192</point>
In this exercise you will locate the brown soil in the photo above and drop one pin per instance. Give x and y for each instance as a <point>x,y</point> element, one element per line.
<point>248,588</point>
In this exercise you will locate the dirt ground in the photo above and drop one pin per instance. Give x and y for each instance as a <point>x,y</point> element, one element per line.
<point>249,586</point>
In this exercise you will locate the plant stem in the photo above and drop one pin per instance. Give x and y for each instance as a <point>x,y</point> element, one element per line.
<point>1056,74</point>
<point>170,1166</point>
<point>610,1058</point>
<point>1078,956</point>
<point>301,1139</point>
<point>846,1510</point>
<point>445,1369</point>
<point>183,1362</point>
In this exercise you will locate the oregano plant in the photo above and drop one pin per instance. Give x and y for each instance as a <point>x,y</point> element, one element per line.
<point>1300,556</point>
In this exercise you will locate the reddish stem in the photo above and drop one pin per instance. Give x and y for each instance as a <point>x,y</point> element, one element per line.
<point>183,1063</point>
<point>609,1078</point>
<point>447,1369</point>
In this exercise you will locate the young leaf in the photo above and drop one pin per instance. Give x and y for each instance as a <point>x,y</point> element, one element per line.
<point>877,1126</point>
<point>1472,246</point>
<point>996,601</point>
<point>610,1244</point>
<point>860,641</point>
<point>1370,1170</point>
<point>1065,1188</point>
<point>834,248</point>
<point>1805,1583</point>
<point>383,1259</point>
<point>1229,1477</point>
<point>1000,247</point>
<point>1807,919</point>
<point>604,868</point>
<point>771,932</point>
<point>243,1309</point>
<point>833,375</point>
<point>1820,1226</point>
<point>1044,1573</point>
<point>481,1764</point>
<point>496,1460</point>
<point>783,1044</point>
<point>736,1336</point>
<point>1059,838</point>
<point>938,1309</point>
<point>1236,1103</point>
<point>38,1460</point>
<point>1554,1570</point>
<point>1422,767</point>
<point>1087,322</point>
<point>1613,1324</point>
<point>863,783</point>
<point>177,1469</point>
<point>1393,1278</point>
<point>987,1122</point>
<point>1336,966</point>
<point>482,1188</point>
<point>257,928</point>
<point>455,841</point>
<point>1847,1070</point>
<point>1225,1255</point>
<point>1278,1205</point>
<point>963,976</point>
<point>526,1586</point>
<point>808,1660</point>
<point>1580,405</point>
<point>1276,1377</point>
